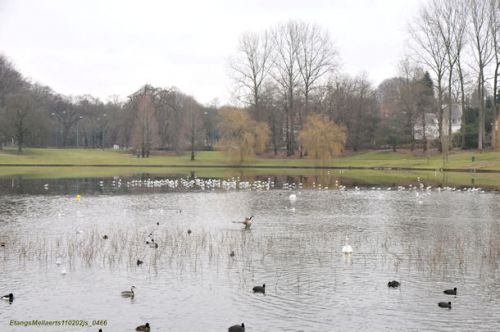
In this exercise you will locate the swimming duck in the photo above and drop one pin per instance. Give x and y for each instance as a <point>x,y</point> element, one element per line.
<point>445,304</point>
<point>143,328</point>
<point>129,293</point>
<point>105,237</point>
<point>237,328</point>
<point>139,262</point>
<point>189,232</point>
<point>260,289</point>
<point>393,284</point>
<point>450,291</point>
<point>232,253</point>
<point>9,297</point>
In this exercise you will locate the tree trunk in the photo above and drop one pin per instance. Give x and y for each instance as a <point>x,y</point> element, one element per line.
<point>462,102</point>
<point>494,130</point>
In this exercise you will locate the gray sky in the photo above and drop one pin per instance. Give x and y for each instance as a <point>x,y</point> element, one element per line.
<point>112,47</point>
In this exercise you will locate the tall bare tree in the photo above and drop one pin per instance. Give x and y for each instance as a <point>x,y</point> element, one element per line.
<point>482,50</point>
<point>252,66</point>
<point>430,51</point>
<point>316,58</point>
<point>286,38</point>
<point>145,133</point>
<point>494,25</point>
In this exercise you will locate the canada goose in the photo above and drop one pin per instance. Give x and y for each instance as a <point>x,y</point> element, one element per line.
<point>247,222</point>
<point>347,249</point>
<point>393,284</point>
<point>445,304</point>
<point>105,237</point>
<point>143,328</point>
<point>260,289</point>
<point>139,262</point>
<point>237,328</point>
<point>9,297</point>
<point>129,293</point>
<point>450,291</point>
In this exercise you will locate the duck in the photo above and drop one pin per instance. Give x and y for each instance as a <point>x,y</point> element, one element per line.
<point>232,253</point>
<point>2,244</point>
<point>129,293</point>
<point>450,291</point>
<point>105,237</point>
<point>247,222</point>
<point>445,304</point>
<point>260,289</point>
<point>189,231</point>
<point>143,328</point>
<point>393,284</point>
<point>100,330</point>
<point>237,328</point>
<point>139,262</point>
<point>347,249</point>
<point>9,297</point>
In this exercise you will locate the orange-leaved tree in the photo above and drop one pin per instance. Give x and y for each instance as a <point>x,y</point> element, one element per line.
<point>240,135</point>
<point>322,138</point>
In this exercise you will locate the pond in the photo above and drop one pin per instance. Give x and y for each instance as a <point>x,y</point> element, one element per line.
<point>428,238</point>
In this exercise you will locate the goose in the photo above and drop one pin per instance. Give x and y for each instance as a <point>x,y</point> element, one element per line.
<point>129,293</point>
<point>292,197</point>
<point>450,291</point>
<point>58,261</point>
<point>247,222</point>
<point>143,328</point>
<point>260,289</point>
<point>445,304</point>
<point>237,328</point>
<point>393,284</point>
<point>347,249</point>
<point>9,297</point>
<point>63,271</point>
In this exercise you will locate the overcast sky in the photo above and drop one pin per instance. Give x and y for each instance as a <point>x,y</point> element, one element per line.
<point>112,47</point>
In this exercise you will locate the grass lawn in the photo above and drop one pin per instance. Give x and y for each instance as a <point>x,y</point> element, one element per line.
<point>460,159</point>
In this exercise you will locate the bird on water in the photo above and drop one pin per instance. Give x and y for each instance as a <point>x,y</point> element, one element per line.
<point>129,293</point>
<point>445,304</point>
<point>143,328</point>
<point>247,222</point>
<point>260,289</point>
<point>393,284</point>
<point>237,328</point>
<point>450,291</point>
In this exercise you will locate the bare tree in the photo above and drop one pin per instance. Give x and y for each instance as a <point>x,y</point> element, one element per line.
<point>286,38</point>
<point>480,35</point>
<point>20,117</point>
<point>251,67</point>
<point>145,132</point>
<point>316,57</point>
<point>430,52</point>
<point>494,25</point>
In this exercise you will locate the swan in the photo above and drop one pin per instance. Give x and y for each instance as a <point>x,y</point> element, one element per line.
<point>237,328</point>
<point>347,249</point>
<point>129,293</point>
<point>143,328</point>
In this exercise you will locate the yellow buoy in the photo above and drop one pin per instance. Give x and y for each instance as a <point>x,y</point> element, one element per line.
<point>77,198</point>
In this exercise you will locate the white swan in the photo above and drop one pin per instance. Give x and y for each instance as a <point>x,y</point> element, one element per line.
<point>347,249</point>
